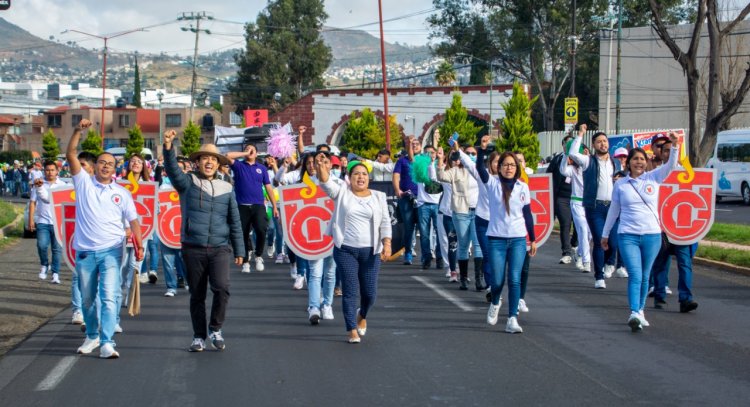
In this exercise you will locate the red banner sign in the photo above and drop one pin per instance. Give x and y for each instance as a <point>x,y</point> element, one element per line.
<point>305,213</point>
<point>542,207</point>
<point>687,205</point>
<point>170,218</point>
<point>144,197</point>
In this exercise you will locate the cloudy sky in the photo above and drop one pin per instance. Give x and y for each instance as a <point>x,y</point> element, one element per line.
<point>50,17</point>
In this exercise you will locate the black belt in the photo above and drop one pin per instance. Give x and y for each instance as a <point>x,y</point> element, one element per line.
<point>605,203</point>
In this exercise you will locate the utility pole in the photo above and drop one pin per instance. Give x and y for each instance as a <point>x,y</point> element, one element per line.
<point>610,18</point>
<point>197,16</point>
<point>619,66</point>
<point>574,40</point>
<point>385,80</point>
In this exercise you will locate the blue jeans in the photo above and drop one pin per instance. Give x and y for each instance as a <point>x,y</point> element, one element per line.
<point>684,256</point>
<point>171,262</point>
<point>596,217</point>
<point>466,233</point>
<point>151,261</point>
<point>484,244</point>
<point>427,223</point>
<point>129,264</point>
<point>45,237</point>
<point>359,270</point>
<point>450,231</point>
<point>303,266</point>
<point>612,256</point>
<point>409,218</point>
<point>507,254</point>
<point>99,274</point>
<point>278,236</point>
<point>320,278</point>
<point>638,253</point>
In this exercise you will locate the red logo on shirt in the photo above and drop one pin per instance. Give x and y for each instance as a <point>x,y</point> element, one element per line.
<point>117,199</point>
<point>650,189</point>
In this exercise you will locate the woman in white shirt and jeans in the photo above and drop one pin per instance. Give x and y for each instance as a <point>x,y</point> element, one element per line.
<point>635,201</point>
<point>361,230</point>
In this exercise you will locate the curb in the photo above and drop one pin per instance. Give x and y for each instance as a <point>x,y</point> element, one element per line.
<point>4,230</point>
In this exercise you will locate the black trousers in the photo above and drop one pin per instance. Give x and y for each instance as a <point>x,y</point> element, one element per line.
<point>565,218</point>
<point>207,265</point>
<point>254,216</point>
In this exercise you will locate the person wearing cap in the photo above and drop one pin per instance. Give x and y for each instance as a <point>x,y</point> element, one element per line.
<point>336,167</point>
<point>101,207</point>
<point>361,231</point>
<point>621,154</point>
<point>657,142</point>
<point>211,237</point>
<point>250,178</point>
<point>597,194</point>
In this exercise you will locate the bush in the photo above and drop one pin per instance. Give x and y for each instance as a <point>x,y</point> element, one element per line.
<point>20,155</point>
<point>7,213</point>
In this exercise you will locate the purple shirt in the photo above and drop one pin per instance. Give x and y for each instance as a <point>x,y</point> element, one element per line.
<point>405,183</point>
<point>249,181</point>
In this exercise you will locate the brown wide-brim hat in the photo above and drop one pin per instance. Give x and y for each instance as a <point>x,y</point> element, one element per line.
<point>209,149</point>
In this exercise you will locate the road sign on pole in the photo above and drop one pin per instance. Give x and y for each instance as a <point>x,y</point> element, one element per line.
<point>571,110</point>
<point>4,4</point>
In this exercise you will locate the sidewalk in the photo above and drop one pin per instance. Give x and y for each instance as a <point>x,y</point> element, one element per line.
<point>26,303</point>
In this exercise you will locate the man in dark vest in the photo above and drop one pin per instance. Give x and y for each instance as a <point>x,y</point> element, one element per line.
<point>561,192</point>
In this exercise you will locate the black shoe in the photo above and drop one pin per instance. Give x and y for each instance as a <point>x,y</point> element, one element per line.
<point>426,265</point>
<point>464,285</point>
<point>659,303</point>
<point>439,264</point>
<point>687,306</point>
<point>152,278</point>
<point>180,282</point>
<point>489,297</point>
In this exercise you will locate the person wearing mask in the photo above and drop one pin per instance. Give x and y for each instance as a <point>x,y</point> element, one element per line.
<point>41,220</point>
<point>361,231</point>
<point>428,198</point>
<point>211,237</point>
<point>511,222</point>
<point>406,190</point>
<point>450,243</point>
<point>597,194</point>
<point>634,202</point>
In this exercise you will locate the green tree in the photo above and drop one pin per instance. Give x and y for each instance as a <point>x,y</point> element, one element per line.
<point>217,106</point>
<point>135,141</point>
<point>92,143</point>
<point>457,121</point>
<point>137,86</point>
<point>445,74</point>
<point>191,139</point>
<point>50,146</point>
<point>517,127</point>
<point>284,55</point>
<point>365,134</point>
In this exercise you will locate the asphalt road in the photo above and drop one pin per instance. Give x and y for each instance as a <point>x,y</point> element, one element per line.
<point>732,211</point>
<point>424,346</point>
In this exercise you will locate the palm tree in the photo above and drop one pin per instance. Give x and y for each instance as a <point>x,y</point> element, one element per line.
<point>445,74</point>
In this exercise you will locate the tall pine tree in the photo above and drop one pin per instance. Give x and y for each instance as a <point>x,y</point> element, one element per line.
<point>457,121</point>
<point>517,127</point>
<point>137,86</point>
<point>135,141</point>
<point>191,139</point>
<point>365,134</point>
<point>284,54</point>
<point>50,145</point>
<point>92,143</point>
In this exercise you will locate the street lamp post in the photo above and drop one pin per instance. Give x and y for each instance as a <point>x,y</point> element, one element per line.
<point>160,96</point>
<point>104,68</point>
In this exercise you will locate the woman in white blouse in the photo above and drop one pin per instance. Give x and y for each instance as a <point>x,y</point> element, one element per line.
<point>635,201</point>
<point>361,230</point>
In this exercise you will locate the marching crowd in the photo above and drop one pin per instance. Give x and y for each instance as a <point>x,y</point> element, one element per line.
<point>468,204</point>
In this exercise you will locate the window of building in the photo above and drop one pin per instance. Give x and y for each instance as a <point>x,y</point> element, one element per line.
<point>124,120</point>
<point>54,120</point>
<point>148,143</point>
<point>75,119</point>
<point>123,142</point>
<point>173,120</point>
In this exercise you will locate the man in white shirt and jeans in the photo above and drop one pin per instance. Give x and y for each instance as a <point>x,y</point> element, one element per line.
<point>101,206</point>
<point>41,220</point>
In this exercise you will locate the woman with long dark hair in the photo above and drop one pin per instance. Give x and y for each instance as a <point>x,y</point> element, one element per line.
<point>635,201</point>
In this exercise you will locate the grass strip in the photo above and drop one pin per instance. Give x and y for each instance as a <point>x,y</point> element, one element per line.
<point>731,256</point>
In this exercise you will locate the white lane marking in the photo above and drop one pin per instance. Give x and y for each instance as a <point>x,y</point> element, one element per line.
<point>448,296</point>
<point>58,373</point>
<point>723,210</point>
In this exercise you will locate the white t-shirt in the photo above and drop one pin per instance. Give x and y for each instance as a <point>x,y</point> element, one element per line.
<point>100,210</point>
<point>358,231</point>
<point>41,196</point>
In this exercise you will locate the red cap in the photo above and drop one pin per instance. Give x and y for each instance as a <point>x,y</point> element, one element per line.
<point>335,161</point>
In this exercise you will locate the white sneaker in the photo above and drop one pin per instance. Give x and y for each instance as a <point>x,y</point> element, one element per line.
<point>313,315</point>
<point>43,273</point>
<point>566,259</point>
<point>667,290</point>
<point>279,259</point>
<point>55,278</point>
<point>608,270</point>
<point>269,251</point>
<point>522,306</point>
<point>108,352</point>
<point>170,293</point>
<point>299,282</point>
<point>246,267</point>
<point>600,284</point>
<point>453,277</point>
<point>88,346</point>
<point>634,322</point>
<point>621,272</point>
<point>512,326</point>
<point>492,314</point>
<point>579,264</point>
<point>118,329</point>
<point>586,268</point>
<point>286,259</point>
<point>643,318</point>
<point>327,312</point>
<point>293,271</point>
<point>259,263</point>
<point>77,318</point>
<point>448,273</point>
<point>143,278</point>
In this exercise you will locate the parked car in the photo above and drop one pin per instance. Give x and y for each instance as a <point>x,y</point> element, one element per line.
<point>732,162</point>
<point>119,152</point>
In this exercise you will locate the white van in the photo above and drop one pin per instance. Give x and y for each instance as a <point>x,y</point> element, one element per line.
<point>119,152</point>
<point>732,162</point>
